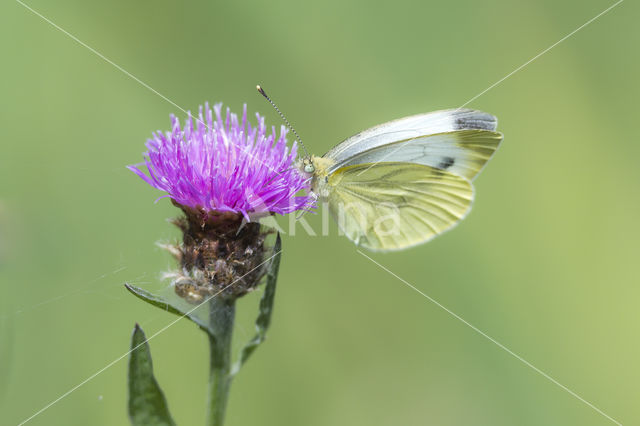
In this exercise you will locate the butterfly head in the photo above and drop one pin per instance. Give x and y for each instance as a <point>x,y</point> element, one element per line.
<point>316,169</point>
<point>307,165</point>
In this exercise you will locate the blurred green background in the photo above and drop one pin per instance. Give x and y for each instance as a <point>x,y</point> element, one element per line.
<point>547,263</point>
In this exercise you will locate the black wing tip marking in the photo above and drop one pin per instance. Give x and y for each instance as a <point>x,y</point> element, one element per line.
<point>476,120</point>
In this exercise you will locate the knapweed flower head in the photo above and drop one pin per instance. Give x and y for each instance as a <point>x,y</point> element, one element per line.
<point>225,165</point>
<point>224,174</point>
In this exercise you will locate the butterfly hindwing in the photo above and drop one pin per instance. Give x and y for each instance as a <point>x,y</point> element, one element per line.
<point>394,205</point>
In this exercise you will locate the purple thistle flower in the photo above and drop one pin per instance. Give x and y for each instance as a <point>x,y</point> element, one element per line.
<point>225,166</point>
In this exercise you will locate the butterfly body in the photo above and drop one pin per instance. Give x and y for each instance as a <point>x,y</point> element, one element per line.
<point>319,177</point>
<point>404,182</point>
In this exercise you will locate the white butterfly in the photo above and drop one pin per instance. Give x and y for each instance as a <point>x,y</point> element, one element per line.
<point>402,183</point>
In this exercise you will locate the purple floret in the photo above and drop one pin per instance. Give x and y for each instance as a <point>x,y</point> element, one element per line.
<point>225,166</point>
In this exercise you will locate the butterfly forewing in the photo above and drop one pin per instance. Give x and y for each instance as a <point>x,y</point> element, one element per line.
<point>412,127</point>
<point>392,206</point>
<point>462,152</point>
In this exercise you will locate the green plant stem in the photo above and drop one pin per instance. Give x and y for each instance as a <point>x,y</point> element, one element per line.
<point>221,317</point>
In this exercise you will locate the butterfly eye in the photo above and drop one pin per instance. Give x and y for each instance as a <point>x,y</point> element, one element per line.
<point>309,168</point>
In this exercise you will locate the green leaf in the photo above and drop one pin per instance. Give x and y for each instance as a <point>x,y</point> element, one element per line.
<point>147,404</point>
<point>265,310</point>
<point>160,302</point>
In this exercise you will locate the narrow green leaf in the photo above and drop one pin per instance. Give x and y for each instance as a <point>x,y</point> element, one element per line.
<point>147,404</point>
<point>161,303</point>
<point>265,310</point>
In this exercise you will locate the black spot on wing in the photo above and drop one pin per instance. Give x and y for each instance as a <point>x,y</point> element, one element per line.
<point>446,162</point>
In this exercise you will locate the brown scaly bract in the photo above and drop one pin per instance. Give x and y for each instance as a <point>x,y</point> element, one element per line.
<point>219,253</point>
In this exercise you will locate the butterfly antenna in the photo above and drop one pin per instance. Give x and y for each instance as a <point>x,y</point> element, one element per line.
<point>263,93</point>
